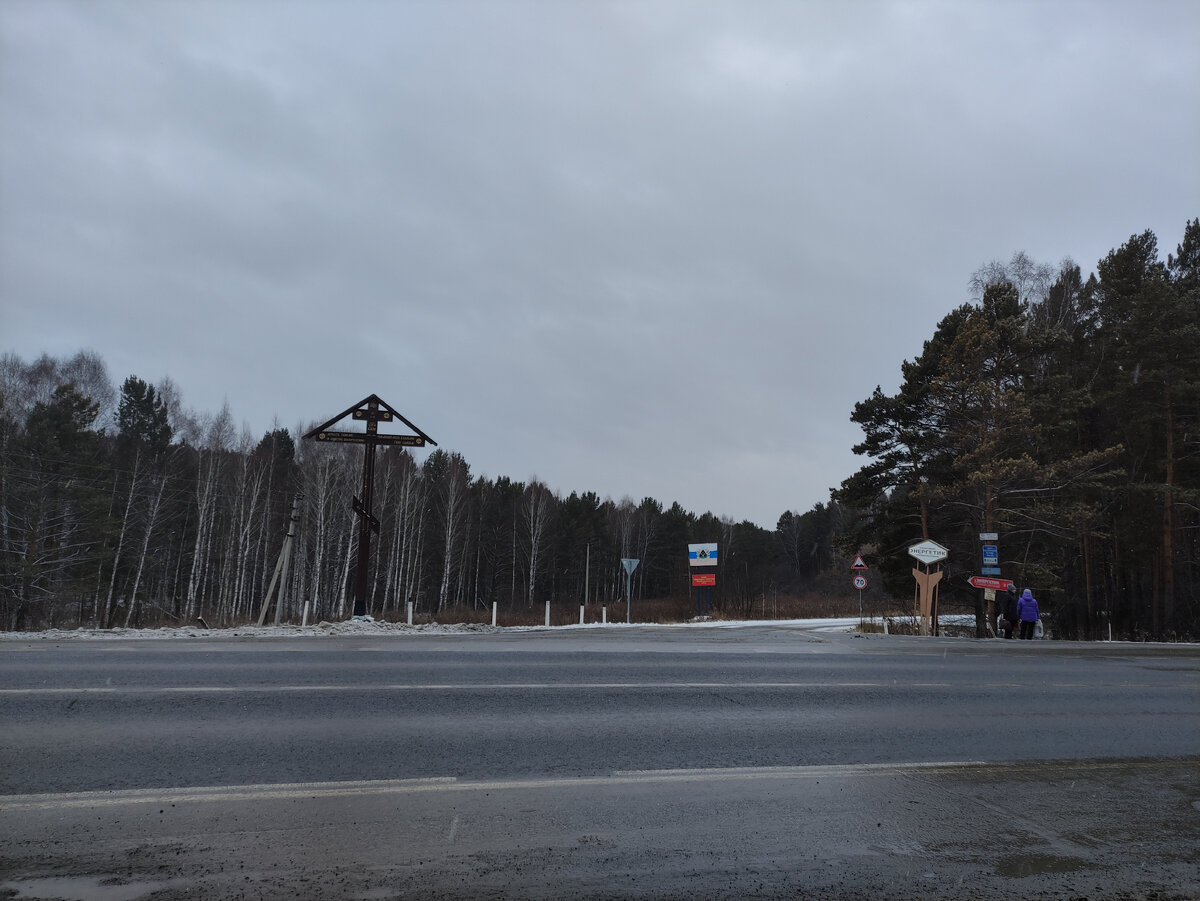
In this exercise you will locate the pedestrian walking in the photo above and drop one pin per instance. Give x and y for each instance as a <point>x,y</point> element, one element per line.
<point>1027,613</point>
<point>1010,613</point>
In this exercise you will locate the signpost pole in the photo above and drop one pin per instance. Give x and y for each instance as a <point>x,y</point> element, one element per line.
<point>630,564</point>
<point>704,556</point>
<point>985,609</point>
<point>860,582</point>
<point>628,595</point>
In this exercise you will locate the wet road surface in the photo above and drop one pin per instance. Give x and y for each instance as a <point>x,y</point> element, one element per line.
<point>658,763</point>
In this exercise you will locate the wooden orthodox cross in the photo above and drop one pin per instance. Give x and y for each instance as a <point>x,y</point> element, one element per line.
<point>373,411</point>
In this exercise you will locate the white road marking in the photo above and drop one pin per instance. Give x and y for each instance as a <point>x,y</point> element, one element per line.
<point>414,686</point>
<point>520,686</point>
<point>320,790</point>
<point>315,790</point>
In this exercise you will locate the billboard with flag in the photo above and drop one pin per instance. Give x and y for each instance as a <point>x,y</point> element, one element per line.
<point>702,554</point>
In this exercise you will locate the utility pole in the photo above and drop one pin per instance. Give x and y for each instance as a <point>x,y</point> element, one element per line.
<point>281,567</point>
<point>287,557</point>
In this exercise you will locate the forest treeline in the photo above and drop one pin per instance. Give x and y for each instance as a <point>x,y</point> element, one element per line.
<point>120,508</point>
<point>1061,413</point>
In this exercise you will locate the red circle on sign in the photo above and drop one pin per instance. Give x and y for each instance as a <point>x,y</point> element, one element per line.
<point>860,582</point>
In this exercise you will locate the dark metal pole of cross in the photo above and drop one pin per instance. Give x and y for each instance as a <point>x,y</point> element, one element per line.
<point>373,411</point>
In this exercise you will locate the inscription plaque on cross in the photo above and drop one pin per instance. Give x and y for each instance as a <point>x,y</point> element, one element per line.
<point>371,410</point>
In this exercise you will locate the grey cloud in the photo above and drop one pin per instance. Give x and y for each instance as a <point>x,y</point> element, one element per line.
<point>638,248</point>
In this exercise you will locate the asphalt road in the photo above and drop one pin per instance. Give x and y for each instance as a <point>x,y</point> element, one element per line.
<point>629,762</point>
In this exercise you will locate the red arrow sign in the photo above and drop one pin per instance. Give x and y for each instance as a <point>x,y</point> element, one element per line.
<point>985,582</point>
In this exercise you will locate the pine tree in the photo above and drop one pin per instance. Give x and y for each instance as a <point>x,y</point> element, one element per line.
<point>142,416</point>
<point>55,510</point>
<point>1147,383</point>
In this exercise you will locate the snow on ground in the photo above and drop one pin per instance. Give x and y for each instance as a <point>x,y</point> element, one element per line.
<point>352,627</point>
<point>368,627</point>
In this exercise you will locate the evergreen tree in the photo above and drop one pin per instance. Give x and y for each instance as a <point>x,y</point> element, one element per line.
<point>894,493</point>
<point>1147,384</point>
<point>142,416</point>
<point>54,513</point>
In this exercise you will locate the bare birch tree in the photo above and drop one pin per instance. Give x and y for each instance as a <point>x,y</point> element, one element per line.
<point>536,512</point>
<point>454,492</point>
<point>152,515</point>
<point>210,465</point>
<point>106,621</point>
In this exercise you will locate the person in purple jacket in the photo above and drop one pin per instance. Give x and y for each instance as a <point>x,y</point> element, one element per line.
<point>1027,612</point>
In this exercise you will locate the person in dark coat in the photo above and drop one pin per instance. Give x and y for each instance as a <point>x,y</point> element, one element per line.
<point>1027,613</point>
<point>1009,612</point>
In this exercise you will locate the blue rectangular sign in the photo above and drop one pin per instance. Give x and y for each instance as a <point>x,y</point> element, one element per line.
<point>990,570</point>
<point>991,553</point>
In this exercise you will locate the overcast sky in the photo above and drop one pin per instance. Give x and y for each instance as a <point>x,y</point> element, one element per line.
<point>638,248</point>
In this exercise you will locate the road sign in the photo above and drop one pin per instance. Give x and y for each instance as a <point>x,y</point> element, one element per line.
<point>928,552</point>
<point>989,536</point>
<point>704,580</point>
<point>985,582</point>
<point>991,553</point>
<point>702,554</point>
<point>990,570</point>
<point>858,563</point>
<point>860,582</point>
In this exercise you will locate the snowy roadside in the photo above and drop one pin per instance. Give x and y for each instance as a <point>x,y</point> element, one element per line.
<point>367,627</point>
